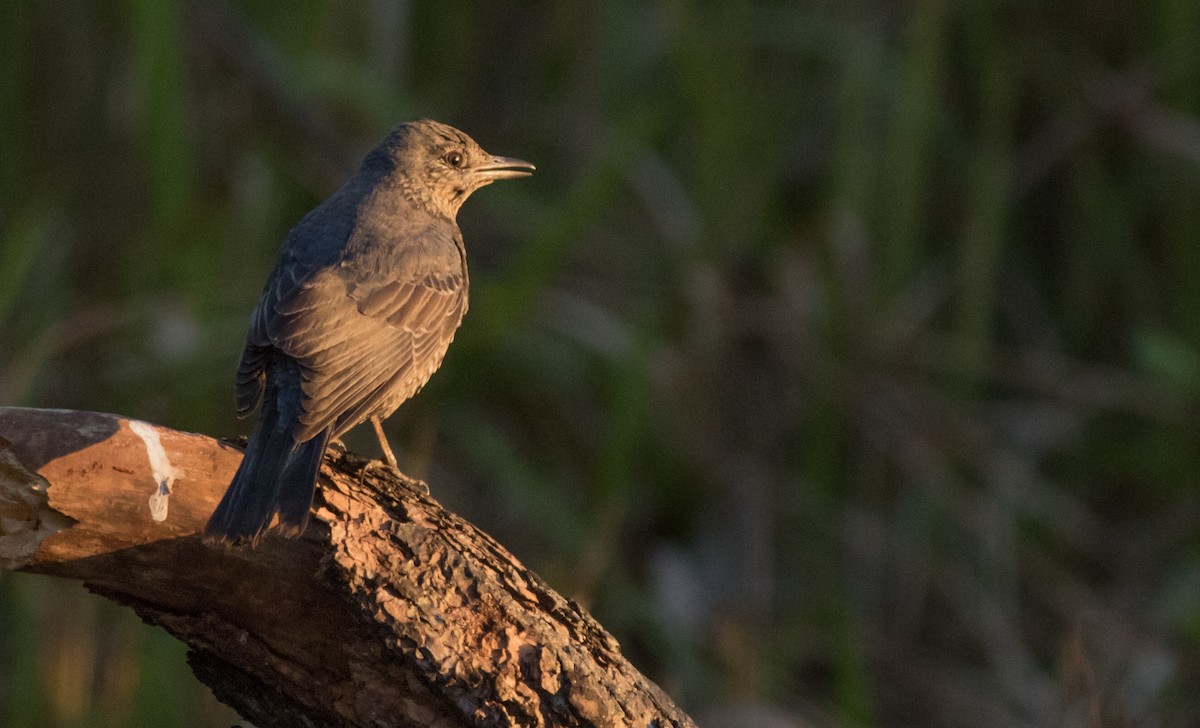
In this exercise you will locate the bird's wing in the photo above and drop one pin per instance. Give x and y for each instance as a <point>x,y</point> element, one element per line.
<point>287,280</point>
<point>360,343</point>
<point>252,378</point>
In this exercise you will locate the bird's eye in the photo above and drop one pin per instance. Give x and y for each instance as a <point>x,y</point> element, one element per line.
<point>454,159</point>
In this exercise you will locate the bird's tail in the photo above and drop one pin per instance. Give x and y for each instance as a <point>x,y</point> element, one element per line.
<point>277,476</point>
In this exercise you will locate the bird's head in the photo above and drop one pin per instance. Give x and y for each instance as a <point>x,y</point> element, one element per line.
<point>438,166</point>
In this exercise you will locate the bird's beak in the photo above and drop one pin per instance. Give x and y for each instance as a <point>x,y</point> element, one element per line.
<point>503,168</point>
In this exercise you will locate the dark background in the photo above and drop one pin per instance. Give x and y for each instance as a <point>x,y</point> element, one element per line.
<point>842,357</point>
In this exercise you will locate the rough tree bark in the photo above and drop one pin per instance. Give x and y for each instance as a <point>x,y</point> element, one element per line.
<point>389,611</point>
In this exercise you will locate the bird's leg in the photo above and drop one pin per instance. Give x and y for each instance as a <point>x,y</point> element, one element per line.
<point>388,455</point>
<point>391,461</point>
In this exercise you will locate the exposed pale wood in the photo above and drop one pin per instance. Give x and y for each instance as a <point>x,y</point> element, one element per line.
<point>389,611</point>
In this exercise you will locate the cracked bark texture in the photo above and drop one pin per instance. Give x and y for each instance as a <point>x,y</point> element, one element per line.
<point>388,611</point>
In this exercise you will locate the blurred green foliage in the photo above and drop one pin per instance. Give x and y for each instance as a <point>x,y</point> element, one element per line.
<point>843,357</point>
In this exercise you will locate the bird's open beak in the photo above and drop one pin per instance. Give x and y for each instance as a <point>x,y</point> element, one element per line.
<point>504,168</point>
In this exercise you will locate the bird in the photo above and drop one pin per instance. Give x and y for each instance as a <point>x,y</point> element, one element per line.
<point>369,290</point>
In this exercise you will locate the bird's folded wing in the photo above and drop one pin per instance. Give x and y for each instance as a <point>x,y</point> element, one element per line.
<point>258,356</point>
<point>359,346</point>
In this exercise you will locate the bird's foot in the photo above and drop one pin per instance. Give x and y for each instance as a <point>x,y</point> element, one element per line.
<point>416,483</point>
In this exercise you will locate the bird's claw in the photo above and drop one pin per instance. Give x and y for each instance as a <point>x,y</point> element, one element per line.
<point>416,483</point>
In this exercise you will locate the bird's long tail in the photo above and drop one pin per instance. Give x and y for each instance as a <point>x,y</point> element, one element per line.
<point>277,476</point>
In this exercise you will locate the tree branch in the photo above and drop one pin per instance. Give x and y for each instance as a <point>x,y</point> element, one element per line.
<point>389,611</point>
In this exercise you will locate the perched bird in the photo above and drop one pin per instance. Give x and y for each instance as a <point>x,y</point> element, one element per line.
<point>357,314</point>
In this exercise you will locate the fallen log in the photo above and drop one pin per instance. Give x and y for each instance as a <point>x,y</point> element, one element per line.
<point>388,611</point>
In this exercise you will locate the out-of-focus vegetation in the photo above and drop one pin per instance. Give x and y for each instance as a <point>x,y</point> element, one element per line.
<point>844,358</point>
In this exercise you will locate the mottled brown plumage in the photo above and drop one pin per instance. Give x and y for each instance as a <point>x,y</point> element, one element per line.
<point>356,316</point>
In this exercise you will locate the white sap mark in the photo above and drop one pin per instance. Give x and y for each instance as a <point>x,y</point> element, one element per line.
<point>160,467</point>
